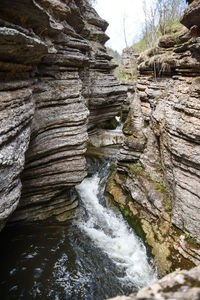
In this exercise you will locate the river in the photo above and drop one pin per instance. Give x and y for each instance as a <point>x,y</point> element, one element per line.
<point>96,257</point>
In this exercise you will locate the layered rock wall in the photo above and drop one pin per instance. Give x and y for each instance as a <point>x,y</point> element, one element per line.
<point>158,167</point>
<point>54,72</point>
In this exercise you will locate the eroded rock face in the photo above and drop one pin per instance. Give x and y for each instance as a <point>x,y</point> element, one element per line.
<point>191,15</point>
<point>182,285</point>
<point>129,60</point>
<point>158,167</point>
<point>55,72</point>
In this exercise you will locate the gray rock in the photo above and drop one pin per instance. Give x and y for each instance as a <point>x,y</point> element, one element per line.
<point>56,83</point>
<point>159,164</point>
<point>182,285</point>
<point>16,113</point>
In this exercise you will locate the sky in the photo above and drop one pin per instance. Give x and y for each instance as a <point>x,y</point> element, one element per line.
<point>114,12</point>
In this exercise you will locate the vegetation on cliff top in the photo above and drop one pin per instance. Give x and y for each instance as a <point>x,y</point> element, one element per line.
<point>161,19</point>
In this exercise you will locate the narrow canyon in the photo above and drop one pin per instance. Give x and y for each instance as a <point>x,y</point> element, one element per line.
<point>113,203</point>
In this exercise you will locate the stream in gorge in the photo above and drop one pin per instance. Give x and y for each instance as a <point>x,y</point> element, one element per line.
<point>97,257</point>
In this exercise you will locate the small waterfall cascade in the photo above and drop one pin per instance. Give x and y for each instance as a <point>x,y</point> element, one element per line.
<point>109,231</point>
<point>96,257</point>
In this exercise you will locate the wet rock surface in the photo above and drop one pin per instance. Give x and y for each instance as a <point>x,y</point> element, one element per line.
<point>178,285</point>
<point>55,72</point>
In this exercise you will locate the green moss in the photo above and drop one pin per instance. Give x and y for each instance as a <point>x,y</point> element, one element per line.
<point>137,169</point>
<point>160,186</point>
<point>89,144</point>
<point>134,222</point>
<point>76,193</point>
<point>168,208</point>
<point>191,239</point>
<point>126,213</point>
<point>159,168</point>
<point>126,129</point>
<point>156,187</point>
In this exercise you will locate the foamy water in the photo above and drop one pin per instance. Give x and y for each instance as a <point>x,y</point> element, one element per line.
<point>110,232</point>
<point>95,259</point>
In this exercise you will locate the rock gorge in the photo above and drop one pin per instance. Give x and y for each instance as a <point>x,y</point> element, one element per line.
<point>156,180</point>
<point>56,85</point>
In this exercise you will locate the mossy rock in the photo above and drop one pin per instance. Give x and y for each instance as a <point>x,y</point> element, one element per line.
<point>110,124</point>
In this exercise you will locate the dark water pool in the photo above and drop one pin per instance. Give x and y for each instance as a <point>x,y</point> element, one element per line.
<point>97,258</point>
<point>55,262</point>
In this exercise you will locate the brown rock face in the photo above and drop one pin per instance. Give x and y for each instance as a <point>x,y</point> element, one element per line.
<point>191,16</point>
<point>54,72</point>
<point>160,158</point>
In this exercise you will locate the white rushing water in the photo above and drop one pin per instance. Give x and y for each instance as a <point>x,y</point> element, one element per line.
<point>110,232</point>
<point>118,129</point>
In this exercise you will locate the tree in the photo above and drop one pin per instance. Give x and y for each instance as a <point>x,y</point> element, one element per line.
<point>116,56</point>
<point>124,30</point>
<point>150,13</point>
<point>158,16</point>
<point>168,11</point>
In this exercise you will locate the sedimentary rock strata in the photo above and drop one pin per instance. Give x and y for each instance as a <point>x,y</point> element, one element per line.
<point>54,72</point>
<point>159,163</point>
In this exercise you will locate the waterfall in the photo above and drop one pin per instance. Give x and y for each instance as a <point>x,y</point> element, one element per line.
<point>111,234</point>
<point>97,257</point>
<point>119,127</point>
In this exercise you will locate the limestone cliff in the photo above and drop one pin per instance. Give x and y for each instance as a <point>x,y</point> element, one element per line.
<point>156,183</point>
<point>55,74</point>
